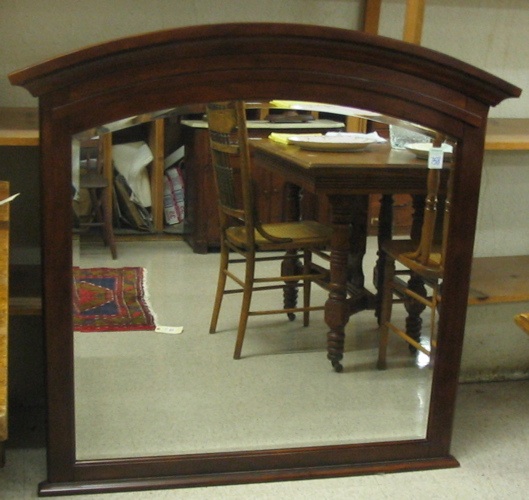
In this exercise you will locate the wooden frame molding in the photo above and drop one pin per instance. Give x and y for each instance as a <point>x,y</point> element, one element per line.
<point>127,77</point>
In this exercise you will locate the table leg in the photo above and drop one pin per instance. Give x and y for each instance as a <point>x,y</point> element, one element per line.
<point>357,242</point>
<point>337,309</point>
<point>291,266</point>
<point>385,223</point>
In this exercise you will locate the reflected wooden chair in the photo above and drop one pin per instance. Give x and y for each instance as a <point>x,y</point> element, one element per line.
<point>95,183</point>
<point>243,233</point>
<point>422,262</point>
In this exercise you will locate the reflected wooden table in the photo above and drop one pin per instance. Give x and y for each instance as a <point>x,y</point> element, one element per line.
<point>346,179</point>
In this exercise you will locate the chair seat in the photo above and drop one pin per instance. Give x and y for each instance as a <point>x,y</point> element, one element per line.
<point>306,233</point>
<point>402,251</point>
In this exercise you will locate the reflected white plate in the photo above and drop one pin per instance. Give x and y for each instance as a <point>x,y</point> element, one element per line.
<point>331,142</point>
<point>421,150</point>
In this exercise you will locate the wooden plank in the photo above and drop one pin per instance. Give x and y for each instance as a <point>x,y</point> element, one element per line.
<point>105,156</point>
<point>413,21</point>
<point>371,20</point>
<point>19,126</point>
<point>25,290</point>
<point>499,280</point>
<point>25,306</point>
<point>507,134</point>
<point>156,143</point>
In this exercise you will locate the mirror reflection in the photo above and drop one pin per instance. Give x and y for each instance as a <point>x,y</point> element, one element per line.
<point>148,374</point>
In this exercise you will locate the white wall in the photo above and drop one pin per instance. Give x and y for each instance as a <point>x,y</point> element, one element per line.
<point>32,31</point>
<point>503,227</point>
<point>490,34</point>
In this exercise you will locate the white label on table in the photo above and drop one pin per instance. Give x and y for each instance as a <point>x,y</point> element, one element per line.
<point>435,158</point>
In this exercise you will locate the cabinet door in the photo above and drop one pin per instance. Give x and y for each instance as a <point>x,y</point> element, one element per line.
<point>201,216</point>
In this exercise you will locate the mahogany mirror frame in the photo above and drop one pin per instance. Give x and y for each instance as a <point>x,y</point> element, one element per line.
<point>261,61</point>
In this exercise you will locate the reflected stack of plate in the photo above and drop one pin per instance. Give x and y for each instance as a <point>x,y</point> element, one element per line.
<point>332,141</point>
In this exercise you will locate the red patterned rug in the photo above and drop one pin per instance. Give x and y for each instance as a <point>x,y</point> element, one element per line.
<point>111,299</point>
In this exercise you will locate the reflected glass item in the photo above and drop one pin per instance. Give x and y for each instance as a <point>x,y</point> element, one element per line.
<point>400,137</point>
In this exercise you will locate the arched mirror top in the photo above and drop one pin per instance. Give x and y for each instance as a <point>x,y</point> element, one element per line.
<point>134,75</point>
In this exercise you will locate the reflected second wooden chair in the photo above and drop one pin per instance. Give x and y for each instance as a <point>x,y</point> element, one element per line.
<point>97,186</point>
<point>422,262</point>
<point>243,233</point>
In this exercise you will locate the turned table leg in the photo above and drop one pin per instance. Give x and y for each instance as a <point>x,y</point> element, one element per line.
<point>385,223</point>
<point>337,309</point>
<point>291,266</point>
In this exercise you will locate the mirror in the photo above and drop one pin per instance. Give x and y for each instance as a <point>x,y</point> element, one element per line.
<point>129,77</point>
<point>156,384</point>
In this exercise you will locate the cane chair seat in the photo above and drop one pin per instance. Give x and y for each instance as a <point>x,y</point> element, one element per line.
<point>296,233</point>
<point>243,234</point>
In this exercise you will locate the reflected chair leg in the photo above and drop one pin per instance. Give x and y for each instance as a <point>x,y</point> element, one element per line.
<point>414,309</point>
<point>307,265</point>
<point>246,301</point>
<point>289,267</point>
<point>433,325</point>
<point>221,286</point>
<point>107,224</point>
<point>385,312</point>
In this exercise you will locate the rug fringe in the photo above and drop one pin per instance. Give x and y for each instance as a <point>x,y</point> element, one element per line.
<point>147,297</point>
